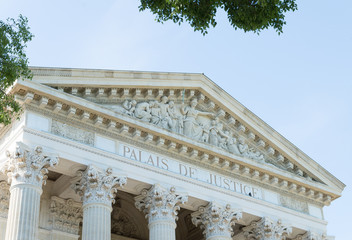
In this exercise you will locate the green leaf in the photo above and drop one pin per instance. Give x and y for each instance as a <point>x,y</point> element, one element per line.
<point>14,34</point>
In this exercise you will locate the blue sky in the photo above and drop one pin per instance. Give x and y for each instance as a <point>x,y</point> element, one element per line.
<point>299,82</point>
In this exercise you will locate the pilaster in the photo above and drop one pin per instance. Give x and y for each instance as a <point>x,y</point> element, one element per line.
<point>216,220</point>
<point>161,206</point>
<point>26,169</point>
<point>267,229</point>
<point>97,189</point>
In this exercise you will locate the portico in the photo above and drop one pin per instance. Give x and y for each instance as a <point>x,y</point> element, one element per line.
<point>138,155</point>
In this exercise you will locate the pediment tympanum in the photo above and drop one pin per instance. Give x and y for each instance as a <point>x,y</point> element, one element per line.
<point>186,119</point>
<point>189,113</point>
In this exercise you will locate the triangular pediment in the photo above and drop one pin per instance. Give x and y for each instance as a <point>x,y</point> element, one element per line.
<point>187,112</point>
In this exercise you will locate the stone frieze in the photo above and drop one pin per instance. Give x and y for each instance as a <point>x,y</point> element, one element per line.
<point>186,119</point>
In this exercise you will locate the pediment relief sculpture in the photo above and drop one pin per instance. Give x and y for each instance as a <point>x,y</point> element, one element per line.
<point>186,119</point>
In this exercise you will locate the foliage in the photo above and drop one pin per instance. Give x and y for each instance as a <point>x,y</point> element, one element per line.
<point>14,34</point>
<point>248,15</point>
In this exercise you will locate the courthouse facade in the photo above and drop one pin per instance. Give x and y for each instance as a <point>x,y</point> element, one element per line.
<point>100,155</point>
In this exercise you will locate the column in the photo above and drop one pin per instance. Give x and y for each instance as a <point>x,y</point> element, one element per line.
<point>266,229</point>
<point>161,208</point>
<point>27,171</point>
<point>97,189</point>
<point>216,220</point>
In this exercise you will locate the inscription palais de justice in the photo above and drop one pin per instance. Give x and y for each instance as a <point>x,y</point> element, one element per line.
<point>189,171</point>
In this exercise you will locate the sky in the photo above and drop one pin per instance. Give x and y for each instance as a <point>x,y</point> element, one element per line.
<point>298,82</point>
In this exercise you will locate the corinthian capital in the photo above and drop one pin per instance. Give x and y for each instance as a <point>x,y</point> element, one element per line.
<point>28,166</point>
<point>266,229</point>
<point>98,186</point>
<point>311,236</point>
<point>216,220</point>
<point>160,203</point>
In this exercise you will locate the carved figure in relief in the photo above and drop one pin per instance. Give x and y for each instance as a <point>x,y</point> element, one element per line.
<point>232,145</point>
<point>249,152</point>
<point>243,147</point>
<point>164,107</point>
<point>176,119</point>
<point>223,143</point>
<point>155,112</point>
<point>213,134</point>
<point>205,135</point>
<point>216,133</point>
<point>191,127</point>
<point>142,111</point>
<point>254,154</point>
<point>184,120</point>
<point>130,107</point>
<point>166,120</point>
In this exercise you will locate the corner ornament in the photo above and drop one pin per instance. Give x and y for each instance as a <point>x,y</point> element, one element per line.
<point>98,186</point>
<point>216,220</point>
<point>28,166</point>
<point>159,203</point>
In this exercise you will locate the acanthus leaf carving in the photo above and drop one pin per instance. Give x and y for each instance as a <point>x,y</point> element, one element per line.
<point>98,186</point>
<point>266,229</point>
<point>160,203</point>
<point>29,166</point>
<point>216,220</point>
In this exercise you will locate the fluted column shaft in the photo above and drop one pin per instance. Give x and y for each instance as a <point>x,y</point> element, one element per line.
<point>219,238</point>
<point>97,189</point>
<point>162,229</point>
<point>27,171</point>
<point>161,207</point>
<point>96,222</point>
<point>23,216</point>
